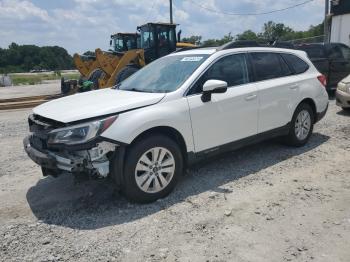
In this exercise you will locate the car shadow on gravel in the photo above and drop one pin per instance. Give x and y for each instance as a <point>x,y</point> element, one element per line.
<point>343,112</point>
<point>95,204</point>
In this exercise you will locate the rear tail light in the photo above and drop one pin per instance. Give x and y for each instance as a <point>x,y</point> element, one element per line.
<point>323,80</point>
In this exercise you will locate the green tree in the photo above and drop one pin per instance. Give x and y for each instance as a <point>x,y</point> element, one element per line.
<point>217,42</point>
<point>194,39</point>
<point>20,58</point>
<point>247,35</point>
<point>272,31</point>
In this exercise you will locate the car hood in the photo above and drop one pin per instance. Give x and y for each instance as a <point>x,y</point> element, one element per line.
<point>346,80</point>
<point>95,103</point>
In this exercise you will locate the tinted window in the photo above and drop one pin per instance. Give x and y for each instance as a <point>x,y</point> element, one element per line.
<point>231,69</point>
<point>313,51</point>
<point>269,66</point>
<point>298,65</point>
<point>339,52</point>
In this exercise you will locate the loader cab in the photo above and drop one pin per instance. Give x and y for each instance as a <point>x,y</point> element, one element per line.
<point>157,39</point>
<point>122,42</point>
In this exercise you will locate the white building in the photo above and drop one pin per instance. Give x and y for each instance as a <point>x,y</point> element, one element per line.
<point>340,28</point>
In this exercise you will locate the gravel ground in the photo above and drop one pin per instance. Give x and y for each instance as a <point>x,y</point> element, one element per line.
<point>267,202</point>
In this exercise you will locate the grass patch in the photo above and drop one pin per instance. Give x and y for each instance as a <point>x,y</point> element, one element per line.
<point>34,79</point>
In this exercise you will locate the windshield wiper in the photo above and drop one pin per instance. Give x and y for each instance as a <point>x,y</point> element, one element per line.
<point>131,89</point>
<point>136,90</point>
<point>116,86</point>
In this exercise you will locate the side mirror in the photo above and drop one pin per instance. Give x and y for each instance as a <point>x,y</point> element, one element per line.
<point>213,87</point>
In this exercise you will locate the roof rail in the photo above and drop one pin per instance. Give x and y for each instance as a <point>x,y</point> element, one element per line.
<point>187,48</point>
<point>251,43</point>
<point>237,44</point>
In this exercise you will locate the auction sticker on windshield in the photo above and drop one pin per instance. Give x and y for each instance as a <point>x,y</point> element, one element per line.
<point>192,59</point>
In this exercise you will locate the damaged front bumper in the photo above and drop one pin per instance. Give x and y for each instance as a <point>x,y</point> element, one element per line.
<point>94,161</point>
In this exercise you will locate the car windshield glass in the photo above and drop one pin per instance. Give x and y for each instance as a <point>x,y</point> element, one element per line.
<point>163,75</point>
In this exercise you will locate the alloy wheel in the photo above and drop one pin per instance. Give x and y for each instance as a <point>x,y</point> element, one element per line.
<point>302,125</point>
<point>155,169</point>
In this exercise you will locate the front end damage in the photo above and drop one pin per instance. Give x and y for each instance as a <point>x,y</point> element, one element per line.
<point>92,158</point>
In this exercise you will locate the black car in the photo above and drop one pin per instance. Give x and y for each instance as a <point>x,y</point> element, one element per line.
<point>331,59</point>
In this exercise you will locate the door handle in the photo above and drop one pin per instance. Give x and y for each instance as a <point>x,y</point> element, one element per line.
<point>294,86</point>
<point>250,97</point>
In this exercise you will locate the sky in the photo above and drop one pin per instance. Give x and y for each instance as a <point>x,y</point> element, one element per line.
<point>81,25</point>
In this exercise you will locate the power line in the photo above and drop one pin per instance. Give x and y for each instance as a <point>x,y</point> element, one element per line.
<point>247,14</point>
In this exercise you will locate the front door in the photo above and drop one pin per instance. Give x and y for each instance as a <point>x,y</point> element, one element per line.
<point>229,116</point>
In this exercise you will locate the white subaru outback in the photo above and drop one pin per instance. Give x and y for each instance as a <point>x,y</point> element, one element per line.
<point>181,108</point>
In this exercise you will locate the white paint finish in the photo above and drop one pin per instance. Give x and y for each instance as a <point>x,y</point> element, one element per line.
<point>211,85</point>
<point>192,52</point>
<point>227,117</point>
<point>174,114</point>
<point>95,103</point>
<point>340,31</point>
<point>276,98</point>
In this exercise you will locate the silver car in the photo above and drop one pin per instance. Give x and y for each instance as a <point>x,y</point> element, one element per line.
<point>343,93</point>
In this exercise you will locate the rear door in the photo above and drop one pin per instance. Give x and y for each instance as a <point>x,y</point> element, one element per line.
<point>339,57</point>
<point>229,116</point>
<point>277,90</point>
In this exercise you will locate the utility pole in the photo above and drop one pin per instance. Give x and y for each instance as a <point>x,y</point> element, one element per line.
<point>171,11</point>
<point>326,24</point>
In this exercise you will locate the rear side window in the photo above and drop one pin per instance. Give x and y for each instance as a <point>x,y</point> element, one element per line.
<point>269,66</point>
<point>298,65</point>
<point>339,52</point>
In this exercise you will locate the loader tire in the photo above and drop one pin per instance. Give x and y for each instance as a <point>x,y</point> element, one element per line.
<point>94,77</point>
<point>125,73</point>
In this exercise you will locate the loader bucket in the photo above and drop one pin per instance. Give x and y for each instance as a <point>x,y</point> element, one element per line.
<point>107,61</point>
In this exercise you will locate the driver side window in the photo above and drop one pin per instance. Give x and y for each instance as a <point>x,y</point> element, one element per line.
<point>231,69</point>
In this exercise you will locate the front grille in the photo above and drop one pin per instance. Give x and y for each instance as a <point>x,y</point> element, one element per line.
<point>40,127</point>
<point>39,124</point>
<point>38,143</point>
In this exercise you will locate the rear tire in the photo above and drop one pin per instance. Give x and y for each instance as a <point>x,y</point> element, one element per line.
<point>125,73</point>
<point>301,126</point>
<point>152,168</point>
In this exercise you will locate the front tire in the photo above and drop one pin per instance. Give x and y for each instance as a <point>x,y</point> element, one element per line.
<point>301,126</point>
<point>152,168</point>
<point>95,76</point>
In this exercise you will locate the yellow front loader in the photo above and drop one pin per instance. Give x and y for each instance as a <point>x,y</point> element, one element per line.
<point>156,40</point>
<point>113,66</point>
<point>107,69</point>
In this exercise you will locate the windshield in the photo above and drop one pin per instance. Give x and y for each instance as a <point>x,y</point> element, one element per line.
<point>163,75</point>
<point>118,44</point>
<point>147,40</point>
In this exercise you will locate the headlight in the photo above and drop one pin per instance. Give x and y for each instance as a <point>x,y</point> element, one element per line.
<point>345,87</point>
<point>80,133</point>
